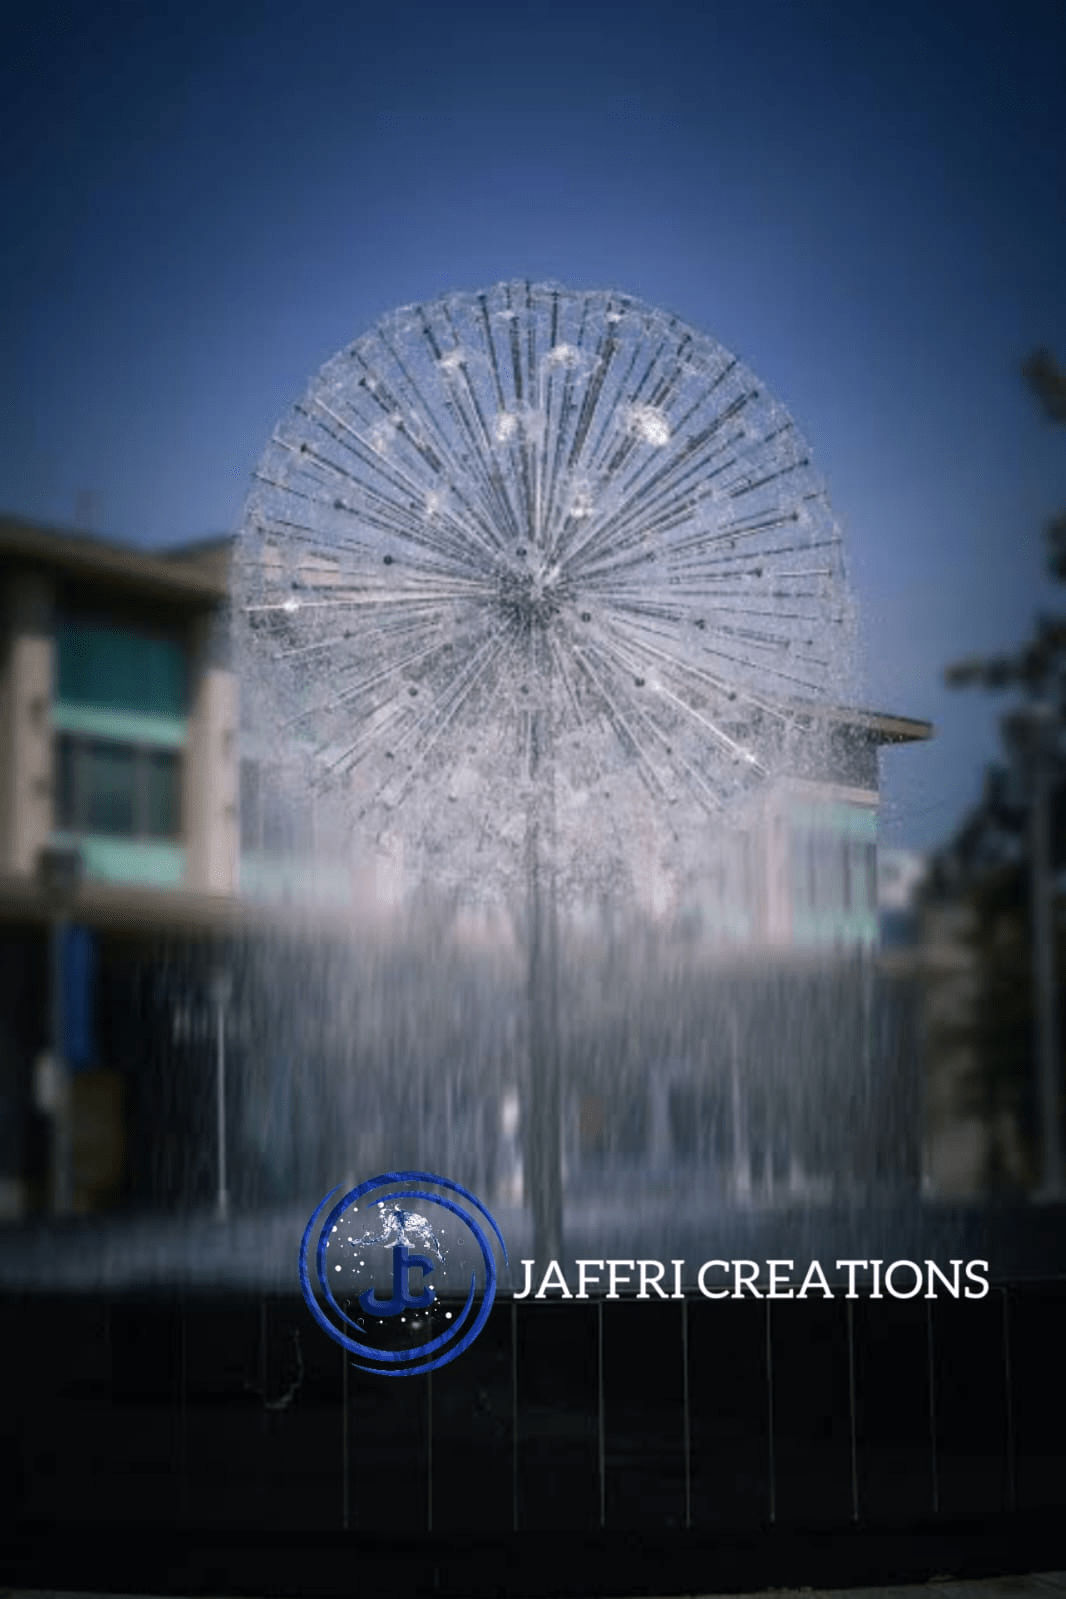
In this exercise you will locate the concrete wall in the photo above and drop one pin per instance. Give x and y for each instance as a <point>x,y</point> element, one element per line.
<point>212,781</point>
<point>26,766</point>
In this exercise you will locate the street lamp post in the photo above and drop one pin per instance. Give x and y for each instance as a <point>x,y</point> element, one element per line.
<point>221,989</point>
<point>59,869</point>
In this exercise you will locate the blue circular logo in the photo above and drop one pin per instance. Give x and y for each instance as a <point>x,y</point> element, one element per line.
<point>376,1252</point>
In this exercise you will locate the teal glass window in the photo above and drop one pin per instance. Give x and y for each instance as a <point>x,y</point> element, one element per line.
<point>120,669</point>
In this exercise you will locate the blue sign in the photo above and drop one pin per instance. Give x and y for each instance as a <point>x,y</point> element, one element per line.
<point>414,1329</point>
<point>78,953</point>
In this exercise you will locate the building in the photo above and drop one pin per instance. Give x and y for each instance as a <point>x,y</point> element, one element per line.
<point>119,719</point>
<point>118,740</point>
<point>132,833</point>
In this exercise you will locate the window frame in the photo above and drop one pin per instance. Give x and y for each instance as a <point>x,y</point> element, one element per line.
<point>73,748</point>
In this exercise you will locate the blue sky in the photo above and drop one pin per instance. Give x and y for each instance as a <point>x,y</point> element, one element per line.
<point>864,202</point>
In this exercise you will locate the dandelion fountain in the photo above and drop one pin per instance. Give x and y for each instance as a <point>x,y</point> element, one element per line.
<point>540,584</point>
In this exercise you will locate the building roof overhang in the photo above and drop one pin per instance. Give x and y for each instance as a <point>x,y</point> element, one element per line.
<point>880,727</point>
<point>70,554</point>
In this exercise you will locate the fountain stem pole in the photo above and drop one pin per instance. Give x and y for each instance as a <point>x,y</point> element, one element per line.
<point>543,1139</point>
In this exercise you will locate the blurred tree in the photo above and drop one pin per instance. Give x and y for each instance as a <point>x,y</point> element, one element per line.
<point>1004,864</point>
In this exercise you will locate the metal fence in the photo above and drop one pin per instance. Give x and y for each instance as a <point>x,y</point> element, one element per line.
<point>685,1424</point>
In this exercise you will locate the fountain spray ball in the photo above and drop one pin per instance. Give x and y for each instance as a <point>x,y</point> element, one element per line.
<point>527,548</point>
